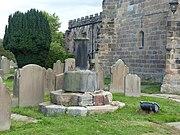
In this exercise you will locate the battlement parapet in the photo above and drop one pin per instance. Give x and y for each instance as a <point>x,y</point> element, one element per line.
<point>87,20</point>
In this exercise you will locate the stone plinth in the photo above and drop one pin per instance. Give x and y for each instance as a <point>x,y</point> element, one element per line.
<point>97,98</point>
<point>80,81</point>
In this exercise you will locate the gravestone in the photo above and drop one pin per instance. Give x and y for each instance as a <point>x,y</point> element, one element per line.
<point>132,85</point>
<point>16,83</point>
<point>100,74</point>
<point>81,53</point>
<point>118,72</point>
<point>5,107</point>
<point>5,65</point>
<point>31,85</point>
<point>58,67</point>
<point>49,84</point>
<point>12,64</point>
<point>59,81</point>
<point>69,64</point>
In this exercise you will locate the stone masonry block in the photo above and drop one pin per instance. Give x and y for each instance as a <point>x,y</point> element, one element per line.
<point>51,109</point>
<point>101,109</point>
<point>85,100</point>
<point>66,99</point>
<point>77,111</point>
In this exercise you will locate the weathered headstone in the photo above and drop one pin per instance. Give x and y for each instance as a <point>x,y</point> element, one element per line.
<point>100,74</point>
<point>16,83</point>
<point>5,65</point>
<point>69,64</point>
<point>58,67</point>
<point>5,107</point>
<point>31,85</point>
<point>81,53</point>
<point>132,85</point>
<point>12,64</point>
<point>118,72</point>
<point>59,81</point>
<point>96,62</point>
<point>49,84</point>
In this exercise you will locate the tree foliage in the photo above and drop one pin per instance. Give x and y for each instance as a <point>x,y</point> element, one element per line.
<point>54,23</point>
<point>28,36</point>
<point>57,51</point>
<point>6,53</point>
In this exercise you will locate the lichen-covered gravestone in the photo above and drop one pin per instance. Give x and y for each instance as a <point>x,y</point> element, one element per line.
<point>58,67</point>
<point>69,64</point>
<point>5,107</point>
<point>118,72</point>
<point>5,65</point>
<point>100,75</point>
<point>31,85</point>
<point>49,82</point>
<point>132,85</point>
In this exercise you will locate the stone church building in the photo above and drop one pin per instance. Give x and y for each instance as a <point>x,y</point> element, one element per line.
<point>140,32</point>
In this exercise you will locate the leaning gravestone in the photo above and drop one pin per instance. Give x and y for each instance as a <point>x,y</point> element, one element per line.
<point>69,64</point>
<point>31,85</point>
<point>132,85</point>
<point>49,82</point>
<point>58,67</point>
<point>5,65</point>
<point>118,72</point>
<point>5,107</point>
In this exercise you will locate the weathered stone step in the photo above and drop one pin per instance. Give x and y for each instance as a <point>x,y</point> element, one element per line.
<point>48,109</point>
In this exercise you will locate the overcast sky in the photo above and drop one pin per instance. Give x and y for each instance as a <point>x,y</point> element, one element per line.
<point>65,9</point>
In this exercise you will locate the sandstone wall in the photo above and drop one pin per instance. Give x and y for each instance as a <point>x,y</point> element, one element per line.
<point>123,21</point>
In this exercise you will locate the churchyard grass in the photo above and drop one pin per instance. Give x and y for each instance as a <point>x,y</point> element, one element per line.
<point>129,120</point>
<point>126,121</point>
<point>9,83</point>
<point>150,87</point>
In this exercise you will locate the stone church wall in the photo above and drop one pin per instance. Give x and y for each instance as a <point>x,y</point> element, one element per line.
<point>132,30</point>
<point>135,31</point>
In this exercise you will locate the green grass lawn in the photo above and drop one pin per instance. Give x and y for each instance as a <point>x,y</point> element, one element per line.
<point>151,88</point>
<point>127,121</point>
